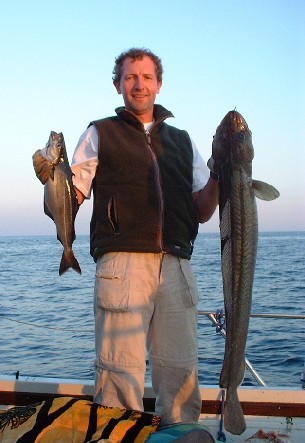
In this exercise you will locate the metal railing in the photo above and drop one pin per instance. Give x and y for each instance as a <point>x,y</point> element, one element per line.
<point>215,321</point>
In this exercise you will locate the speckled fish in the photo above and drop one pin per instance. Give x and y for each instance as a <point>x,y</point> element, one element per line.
<point>60,202</point>
<point>232,155</point>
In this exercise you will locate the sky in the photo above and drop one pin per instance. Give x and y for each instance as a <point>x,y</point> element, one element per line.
<point>57,58</point>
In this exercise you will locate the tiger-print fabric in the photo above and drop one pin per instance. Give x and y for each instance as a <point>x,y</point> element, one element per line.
<point>67,419</point>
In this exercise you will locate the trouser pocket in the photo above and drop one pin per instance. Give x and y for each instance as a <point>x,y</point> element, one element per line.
<point>191,295</point>
<point>112,286</point>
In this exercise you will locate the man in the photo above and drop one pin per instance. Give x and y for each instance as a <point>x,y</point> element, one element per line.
<point>147,205</point>
<point>151,189</point>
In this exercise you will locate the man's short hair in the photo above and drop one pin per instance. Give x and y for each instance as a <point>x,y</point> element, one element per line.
<point>136,54</point>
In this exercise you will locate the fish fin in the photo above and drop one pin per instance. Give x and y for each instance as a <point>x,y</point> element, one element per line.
<point>47,211</point>
<point>223,379</point>
<point>242,373</point>
<point>223,382</point>
<point>211,163</point>
<point>42,166</point>
<point>68,260</point>
<point>234,419</point>
<point>225,371</point>
<point>52,169</point>
<point>264,191</point>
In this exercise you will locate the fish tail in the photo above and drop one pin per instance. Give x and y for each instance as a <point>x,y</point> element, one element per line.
<point>68,260</point>
<point>234,419</point>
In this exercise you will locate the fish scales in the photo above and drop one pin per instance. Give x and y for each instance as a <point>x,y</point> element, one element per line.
<point>238,263</point>
<point>232,154</point>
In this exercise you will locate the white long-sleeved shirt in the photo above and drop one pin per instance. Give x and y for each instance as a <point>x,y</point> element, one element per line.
<point>85,161</point>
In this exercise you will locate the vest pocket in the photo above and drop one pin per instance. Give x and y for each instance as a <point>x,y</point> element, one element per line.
<point>112,215</point>
<point>191,295</point>
<point>112,287</point>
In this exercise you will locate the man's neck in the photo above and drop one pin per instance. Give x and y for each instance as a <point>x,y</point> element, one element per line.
<point>144,119</point>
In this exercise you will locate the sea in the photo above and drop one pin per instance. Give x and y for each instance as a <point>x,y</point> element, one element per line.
<point>47,325</point>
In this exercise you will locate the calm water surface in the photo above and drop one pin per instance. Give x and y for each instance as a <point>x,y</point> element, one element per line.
<point>46,321</point>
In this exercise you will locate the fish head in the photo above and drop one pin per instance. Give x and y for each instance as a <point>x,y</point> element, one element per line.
<point>55,147</point>
<point>232,142</point>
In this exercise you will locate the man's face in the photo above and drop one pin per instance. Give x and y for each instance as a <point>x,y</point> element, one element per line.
<point>139,87</point>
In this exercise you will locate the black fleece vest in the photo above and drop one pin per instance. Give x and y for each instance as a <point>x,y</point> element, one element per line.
<point>143,187</point>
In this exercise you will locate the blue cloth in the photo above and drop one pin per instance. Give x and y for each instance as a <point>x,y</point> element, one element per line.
<point>171,433</point>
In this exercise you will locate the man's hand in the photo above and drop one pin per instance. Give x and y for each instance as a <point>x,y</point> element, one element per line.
<point>42,166</point>
<point>213,168</point>
<point>79,195</point>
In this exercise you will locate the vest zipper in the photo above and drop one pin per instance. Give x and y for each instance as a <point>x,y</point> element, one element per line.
<point>159,188</point>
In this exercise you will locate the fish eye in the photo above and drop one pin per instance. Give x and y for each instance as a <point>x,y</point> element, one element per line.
<point>241,136</point>
<point>222,137</point>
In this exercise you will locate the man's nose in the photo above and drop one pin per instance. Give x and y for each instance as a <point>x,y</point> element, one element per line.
<point>139,83</point>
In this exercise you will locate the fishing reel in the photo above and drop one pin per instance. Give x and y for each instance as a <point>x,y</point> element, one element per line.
<point>220,320</point>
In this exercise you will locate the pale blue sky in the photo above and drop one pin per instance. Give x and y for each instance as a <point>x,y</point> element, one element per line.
<point>57,58</point>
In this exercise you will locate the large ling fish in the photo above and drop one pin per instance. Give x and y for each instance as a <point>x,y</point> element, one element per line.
<point>60,202</point>
<point>232,155</point>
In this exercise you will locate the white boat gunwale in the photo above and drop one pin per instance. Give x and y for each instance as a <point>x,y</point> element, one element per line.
<point>278,408</point>
<point>267,401</point>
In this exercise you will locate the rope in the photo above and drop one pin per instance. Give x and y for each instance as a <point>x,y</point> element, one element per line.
<point>34,325</point>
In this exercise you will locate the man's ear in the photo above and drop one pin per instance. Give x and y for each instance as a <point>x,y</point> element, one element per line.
<point>117,87</point>
<point>159,86</point>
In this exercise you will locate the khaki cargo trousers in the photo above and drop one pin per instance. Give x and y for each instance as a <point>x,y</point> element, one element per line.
<point>146,303</point>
